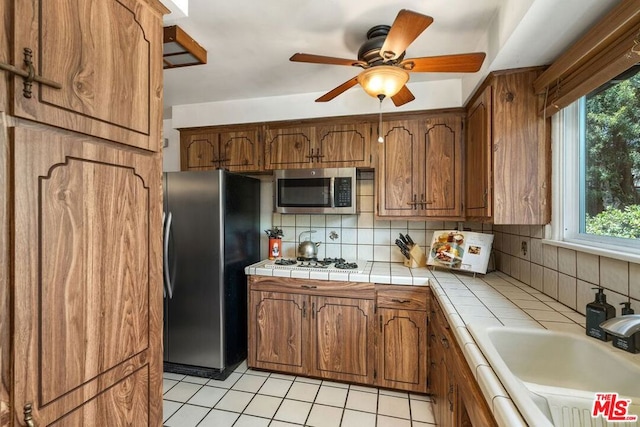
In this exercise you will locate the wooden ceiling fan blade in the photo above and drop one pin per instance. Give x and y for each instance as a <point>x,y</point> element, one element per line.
<point>462,63</point>
<point>403,96</point>
<point>405,29</point>
<point>339,90</point>
<point>330,60</point>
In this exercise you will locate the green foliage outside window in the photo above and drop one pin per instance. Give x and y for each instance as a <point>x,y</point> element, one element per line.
<point>612,158</point>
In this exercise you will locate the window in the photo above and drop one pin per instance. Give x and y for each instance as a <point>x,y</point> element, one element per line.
<point>599,166</point>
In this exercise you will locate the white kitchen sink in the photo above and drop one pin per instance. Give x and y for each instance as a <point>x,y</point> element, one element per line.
<point>552,377</point>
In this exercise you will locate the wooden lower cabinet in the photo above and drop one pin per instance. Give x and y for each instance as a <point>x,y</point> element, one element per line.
<point>342,339</point>
<point>280,331</point>
<point>343,331</point>
<point>455,394</point>
<point>402,338</point>
<point>312,328</point>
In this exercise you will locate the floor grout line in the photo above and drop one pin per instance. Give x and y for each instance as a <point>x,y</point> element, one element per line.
<point>343,408</point>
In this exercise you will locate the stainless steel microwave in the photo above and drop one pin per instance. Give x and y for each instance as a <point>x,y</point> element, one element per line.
<point>315,191</point>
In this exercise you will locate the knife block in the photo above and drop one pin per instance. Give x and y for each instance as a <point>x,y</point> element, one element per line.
<point>417,258</point>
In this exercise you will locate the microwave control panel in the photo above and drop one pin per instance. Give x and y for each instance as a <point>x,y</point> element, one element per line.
<point>342,195</point>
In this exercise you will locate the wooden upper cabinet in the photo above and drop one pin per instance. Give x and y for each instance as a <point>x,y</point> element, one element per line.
<point>234,149</point>
<point>199,152</point>
<point>288,148</point>
<point>318,146</point>
<point>347,145</point>
<point>105,55</point>
<point>239,150</point>
<point>442,171</point>
<point>478,195</point>
<point>504,116</point>
<point>398,178</point>
<point>419,171</point>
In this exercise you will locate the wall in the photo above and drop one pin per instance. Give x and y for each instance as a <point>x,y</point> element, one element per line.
<point>359,236</point>
<point>171,149</point>
<point>565,275</point>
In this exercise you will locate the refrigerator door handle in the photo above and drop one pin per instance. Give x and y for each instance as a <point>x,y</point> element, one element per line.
<point>168,286</point>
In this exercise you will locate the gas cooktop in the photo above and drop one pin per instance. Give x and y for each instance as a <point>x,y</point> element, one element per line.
<point>326,264</point>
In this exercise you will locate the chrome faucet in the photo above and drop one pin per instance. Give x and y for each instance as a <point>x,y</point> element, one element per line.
<point>622,326</point>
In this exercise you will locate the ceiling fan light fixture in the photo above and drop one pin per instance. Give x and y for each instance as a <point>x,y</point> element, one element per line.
<point>383,80</point>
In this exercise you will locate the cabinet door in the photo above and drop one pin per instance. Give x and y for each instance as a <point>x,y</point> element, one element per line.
<point>344,145</point>
<point>111,74</point>
<point>521,152</point>
<point>239,151</point>
<point>402,343</point>
<point>279,330</point>
<point>342,335</point>
<point>442,172</point>
<point>87,289</point>
<point>478,197</point>
<point>398,180</point>
<point>199,151</point>
<point>288,148</point>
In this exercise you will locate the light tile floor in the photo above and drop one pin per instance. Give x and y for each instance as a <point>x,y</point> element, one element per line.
<point>249,398</point>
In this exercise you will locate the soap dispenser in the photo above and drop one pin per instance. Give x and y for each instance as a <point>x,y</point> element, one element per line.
<point>632,343</point>
<point>597,312</point>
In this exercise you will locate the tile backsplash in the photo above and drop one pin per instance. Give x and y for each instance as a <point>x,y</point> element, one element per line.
<point>358,236</point>
<point>565,275</point>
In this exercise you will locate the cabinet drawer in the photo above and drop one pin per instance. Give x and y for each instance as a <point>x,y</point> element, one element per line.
<point>405,299</point>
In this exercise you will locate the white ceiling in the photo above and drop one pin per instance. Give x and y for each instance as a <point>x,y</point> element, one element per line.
<point>249,42</point>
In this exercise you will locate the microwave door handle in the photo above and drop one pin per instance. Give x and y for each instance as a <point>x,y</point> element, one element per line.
<point>331,185</point>
<point>167,273</point>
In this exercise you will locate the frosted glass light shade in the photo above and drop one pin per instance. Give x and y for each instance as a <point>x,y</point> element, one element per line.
<point>383,80</point>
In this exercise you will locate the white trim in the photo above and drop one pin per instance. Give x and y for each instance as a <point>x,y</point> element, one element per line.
<point>564,230</point>
<point>594,250</point>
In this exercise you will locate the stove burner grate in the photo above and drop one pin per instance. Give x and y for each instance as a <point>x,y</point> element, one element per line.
<point>284,261</point>
<point>346,265</point>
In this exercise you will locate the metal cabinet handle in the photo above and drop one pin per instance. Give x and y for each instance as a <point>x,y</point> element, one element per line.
<point>304,309</point>
<point>29,76</point>
<point>308,286</point>
<point>401,301</point>
<point>28,417</point>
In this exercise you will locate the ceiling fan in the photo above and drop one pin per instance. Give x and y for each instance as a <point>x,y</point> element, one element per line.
<point>386,72</point>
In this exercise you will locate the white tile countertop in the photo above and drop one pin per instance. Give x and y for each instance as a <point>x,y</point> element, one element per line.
<point>485,300</point>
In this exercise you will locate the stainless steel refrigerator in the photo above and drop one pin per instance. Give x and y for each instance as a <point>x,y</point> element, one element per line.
<point>211,232</point>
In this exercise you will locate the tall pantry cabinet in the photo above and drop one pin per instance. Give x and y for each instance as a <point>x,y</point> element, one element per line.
<point>80,213</point>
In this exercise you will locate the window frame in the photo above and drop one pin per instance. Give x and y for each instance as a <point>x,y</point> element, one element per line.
<point>568,178</point>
